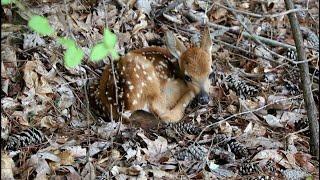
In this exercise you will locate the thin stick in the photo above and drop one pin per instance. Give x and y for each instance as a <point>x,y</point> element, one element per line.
<point>258,15</point>
<point>310,105</point>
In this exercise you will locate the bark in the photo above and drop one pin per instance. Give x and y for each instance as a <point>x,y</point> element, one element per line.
<point>312,111</point>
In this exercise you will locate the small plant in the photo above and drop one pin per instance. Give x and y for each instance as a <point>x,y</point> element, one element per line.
<point>73,54</point>
<point>101,50</point>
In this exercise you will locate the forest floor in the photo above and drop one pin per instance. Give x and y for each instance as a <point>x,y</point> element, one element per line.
<point>255,126</point>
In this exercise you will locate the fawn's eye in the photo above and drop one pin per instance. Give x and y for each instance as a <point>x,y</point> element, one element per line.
<point>187,78</point>
<point>212,75</point>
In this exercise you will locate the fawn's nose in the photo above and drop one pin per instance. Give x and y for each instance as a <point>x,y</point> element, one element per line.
<point>203,98</point>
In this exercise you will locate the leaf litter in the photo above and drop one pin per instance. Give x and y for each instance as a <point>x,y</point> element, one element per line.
<point>256,119</point>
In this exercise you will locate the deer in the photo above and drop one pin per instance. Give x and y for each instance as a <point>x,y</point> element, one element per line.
<point>162,81</point>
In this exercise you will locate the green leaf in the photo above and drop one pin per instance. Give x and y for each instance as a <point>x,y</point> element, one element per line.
<point>5,2</point>
<point>67,42</point>
<point>40,25</point>
<point>109,39</point>
<point>98,52</point>
<point>73,56</point>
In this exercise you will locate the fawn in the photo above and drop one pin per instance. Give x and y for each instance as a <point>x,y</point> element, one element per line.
<point>147,79</point>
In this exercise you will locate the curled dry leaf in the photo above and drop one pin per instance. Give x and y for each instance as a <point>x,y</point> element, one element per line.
<point>261,51</point>
<point>134,170</point>
<point>273,154</point>
<point>220,13</point>
<point>110,129</point>
<point>67,98</point>
<point>264,142</point>
<point>7,166</point>
<point>131,151</point>
<point>142,25</point>
<point>21,118</point>
<point>97,147</point>
<point>32,40</point>
<point>225,128</point>
<point>303,160</point>
<point>9,103</point>
<point>291,117</point>
<point>278,102</point>
<point>39,163</point>
<point>143,5</point>
<point>154,148</point>
<point>156,173</point>
<point>88,172</point>
<point>273,121</point>
<point>76,151</point>
<point>66,157</point>
<point>4,127</point>
<point>51,123</point>
<point>174,19</point>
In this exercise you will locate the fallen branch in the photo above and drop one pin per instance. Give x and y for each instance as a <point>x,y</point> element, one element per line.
<point>310,105</point>
<point>258,15</point>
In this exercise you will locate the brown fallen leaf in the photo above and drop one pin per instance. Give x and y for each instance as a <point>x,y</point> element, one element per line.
<point>303,160</point>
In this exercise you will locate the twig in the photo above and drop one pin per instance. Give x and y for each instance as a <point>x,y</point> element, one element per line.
<point>236,30</point>
<point>243,113</point>
<point>253,35</point>
<point>310,105</point>
<point>258,15</point>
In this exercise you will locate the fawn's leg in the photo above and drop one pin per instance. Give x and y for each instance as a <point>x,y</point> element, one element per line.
<point>170,104</point>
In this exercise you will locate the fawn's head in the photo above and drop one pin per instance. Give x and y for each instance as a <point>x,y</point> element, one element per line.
<point>195,64</point>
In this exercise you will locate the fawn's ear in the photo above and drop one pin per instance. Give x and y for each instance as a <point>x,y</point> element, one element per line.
<point>174,45</point>
<point>206,41</point>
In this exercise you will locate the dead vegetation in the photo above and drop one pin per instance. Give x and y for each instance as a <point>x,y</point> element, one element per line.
<point>255,126</point>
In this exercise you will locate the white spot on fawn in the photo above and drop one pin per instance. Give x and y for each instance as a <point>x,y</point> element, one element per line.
<point>131,87</point>
<point>149,78</point>
<point>109,98</point>
<point>134,102</point>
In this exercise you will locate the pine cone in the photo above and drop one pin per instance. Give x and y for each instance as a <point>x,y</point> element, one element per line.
<point>303,123</point>
<point>221,138</point>
<point>25,138</point>
<point>182,128</point>
<point>311,37</point>
<point>270,166</point>
<point>291,54</point>
<point>292,88</point>
<point>241,87</point>
<point>238,149</point>
<point>193,152</point>
<point>249,168</point>
<point>262,177</point>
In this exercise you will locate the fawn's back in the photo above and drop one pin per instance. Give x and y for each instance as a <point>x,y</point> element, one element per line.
<point>151,79</point>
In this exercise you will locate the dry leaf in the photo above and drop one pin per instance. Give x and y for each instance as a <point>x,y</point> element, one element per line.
<point>273,154</point>
<point>219,13</point>
<point>273,121</point>
<point>7,165</point>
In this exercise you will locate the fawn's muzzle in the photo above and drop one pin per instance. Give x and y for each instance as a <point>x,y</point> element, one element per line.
<point>203,98</point>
